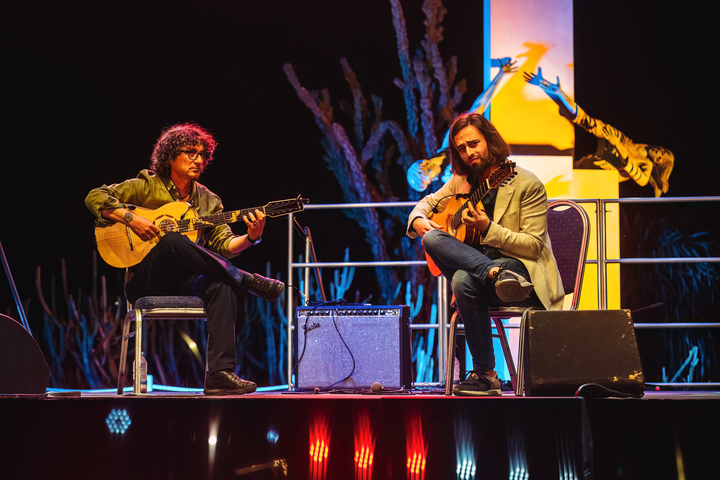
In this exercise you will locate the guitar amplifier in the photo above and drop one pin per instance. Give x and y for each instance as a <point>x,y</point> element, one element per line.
<point>352,346</point>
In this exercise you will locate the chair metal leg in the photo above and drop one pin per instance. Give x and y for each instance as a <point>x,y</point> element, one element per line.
<point>520,383</point>
<point>123,353</point>
<point>450,360</point>
<point>138,351</point>
<point>506,350</point>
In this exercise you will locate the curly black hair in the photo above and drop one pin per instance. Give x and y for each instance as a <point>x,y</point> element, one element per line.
<point>175,138</point>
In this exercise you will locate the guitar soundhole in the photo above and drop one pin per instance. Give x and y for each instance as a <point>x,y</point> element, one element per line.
<point>167,225</point>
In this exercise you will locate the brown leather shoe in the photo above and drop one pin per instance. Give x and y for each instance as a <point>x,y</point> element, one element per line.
<point>227,383</point>
<point>266,288</point>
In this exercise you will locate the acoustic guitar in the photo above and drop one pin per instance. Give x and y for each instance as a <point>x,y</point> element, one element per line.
<point>120,247</point>
<point>451,217</point>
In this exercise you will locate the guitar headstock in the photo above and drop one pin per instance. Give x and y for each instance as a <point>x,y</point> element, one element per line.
<point>502,174</point>
<point>279,208</point>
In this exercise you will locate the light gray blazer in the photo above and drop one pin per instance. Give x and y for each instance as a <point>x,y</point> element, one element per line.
<point>518,229</point>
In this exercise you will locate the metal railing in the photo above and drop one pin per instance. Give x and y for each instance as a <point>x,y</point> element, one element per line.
<point>443,290</point>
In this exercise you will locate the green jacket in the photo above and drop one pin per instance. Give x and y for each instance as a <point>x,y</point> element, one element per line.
<point>152,191</point>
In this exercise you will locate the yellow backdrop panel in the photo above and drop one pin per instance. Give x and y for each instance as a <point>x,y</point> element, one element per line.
<point>562,181</point>
<point>535,34</point>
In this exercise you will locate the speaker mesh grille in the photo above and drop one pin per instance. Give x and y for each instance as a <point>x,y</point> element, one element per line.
<point>352,347</point>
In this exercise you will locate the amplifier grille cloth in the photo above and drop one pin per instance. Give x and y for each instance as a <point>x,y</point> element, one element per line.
<point>329,338</point>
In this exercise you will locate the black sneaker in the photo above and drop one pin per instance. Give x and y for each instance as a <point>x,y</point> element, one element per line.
<point>479,385</point>
<point>511,287</point>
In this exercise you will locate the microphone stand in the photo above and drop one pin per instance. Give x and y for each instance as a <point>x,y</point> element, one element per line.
<point>310,252</point>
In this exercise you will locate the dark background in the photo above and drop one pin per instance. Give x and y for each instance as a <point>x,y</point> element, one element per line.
<point>89,85</point>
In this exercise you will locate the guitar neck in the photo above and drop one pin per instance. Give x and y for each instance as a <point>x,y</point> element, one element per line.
<point>479,193</point>
<point>271,209</point>
<point>215,219</point>
<point>475,197</point>
<point>497,178</point>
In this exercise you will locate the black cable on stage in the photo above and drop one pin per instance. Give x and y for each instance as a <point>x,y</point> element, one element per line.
<point>595,390</point>
<point>316,305</point>
<point>349,351</point>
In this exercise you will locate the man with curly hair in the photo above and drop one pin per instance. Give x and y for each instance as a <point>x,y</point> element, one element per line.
<point>176,265</point>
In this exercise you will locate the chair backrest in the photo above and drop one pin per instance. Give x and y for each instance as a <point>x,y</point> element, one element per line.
<point>569,231</point>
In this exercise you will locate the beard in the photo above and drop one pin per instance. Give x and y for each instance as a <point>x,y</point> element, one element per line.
<point>478,169</point>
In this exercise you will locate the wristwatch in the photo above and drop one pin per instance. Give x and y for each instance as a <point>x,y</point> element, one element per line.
<point>254,242</point>
<point>128,217</point>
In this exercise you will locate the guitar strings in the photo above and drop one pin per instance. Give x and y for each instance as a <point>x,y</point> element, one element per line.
<point>479,193</point>
<point>185,225</point>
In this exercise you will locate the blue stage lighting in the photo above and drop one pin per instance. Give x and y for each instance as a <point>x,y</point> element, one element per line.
<point>118,421</point>
<point>466,469</point>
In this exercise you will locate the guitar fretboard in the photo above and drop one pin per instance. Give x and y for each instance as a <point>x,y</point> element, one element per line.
<point>184,225</point>
<point>476,197</point>
<point>497,178</point>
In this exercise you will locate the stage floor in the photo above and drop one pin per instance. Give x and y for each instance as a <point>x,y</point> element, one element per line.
<point>418,435</point>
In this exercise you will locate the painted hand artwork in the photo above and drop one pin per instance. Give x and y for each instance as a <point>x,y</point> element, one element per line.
<point>643,163</point>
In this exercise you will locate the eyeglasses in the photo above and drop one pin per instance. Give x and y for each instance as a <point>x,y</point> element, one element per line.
<point>193,154</point>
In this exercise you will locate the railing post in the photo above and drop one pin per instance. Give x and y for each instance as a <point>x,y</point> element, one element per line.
<point>289,292</point>
<point>443,287</point>
<point>601,254</point>
<point>442,309</point>
<point>308,259</point>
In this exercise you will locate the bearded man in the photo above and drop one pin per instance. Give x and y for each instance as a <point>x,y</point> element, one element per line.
<point>511,263</point>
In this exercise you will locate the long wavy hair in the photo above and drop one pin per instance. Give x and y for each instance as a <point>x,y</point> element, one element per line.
<point>174,139</point>
<point>498,148</point>
<point>660,176</point>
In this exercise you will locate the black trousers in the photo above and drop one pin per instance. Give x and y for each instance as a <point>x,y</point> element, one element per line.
<point>177,266</point>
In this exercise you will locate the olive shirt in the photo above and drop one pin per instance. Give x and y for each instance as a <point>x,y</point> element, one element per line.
<point>152,191</point>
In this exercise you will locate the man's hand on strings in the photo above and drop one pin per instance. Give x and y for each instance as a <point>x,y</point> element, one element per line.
<point>255,223</point>
<point>475,218</point>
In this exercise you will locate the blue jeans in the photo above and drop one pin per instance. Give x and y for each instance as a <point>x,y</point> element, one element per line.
<point>467,270</point>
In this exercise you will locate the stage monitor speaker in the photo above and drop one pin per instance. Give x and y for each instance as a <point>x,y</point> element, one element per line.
<point>565,350</point>
<point>353,346</point>
<point>23,369</point>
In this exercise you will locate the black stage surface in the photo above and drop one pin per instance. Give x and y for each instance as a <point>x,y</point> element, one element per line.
<point>421,434</point>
